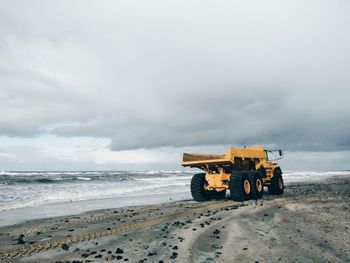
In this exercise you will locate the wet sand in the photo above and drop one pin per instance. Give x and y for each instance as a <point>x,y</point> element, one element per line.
<point>309,223</point>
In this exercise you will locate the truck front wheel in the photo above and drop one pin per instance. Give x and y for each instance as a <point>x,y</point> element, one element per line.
<point>277,185</point>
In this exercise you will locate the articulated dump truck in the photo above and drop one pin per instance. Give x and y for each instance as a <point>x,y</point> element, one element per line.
<point>242,171</point>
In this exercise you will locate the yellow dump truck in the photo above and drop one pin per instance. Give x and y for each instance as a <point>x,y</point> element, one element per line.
<point>242,171</point>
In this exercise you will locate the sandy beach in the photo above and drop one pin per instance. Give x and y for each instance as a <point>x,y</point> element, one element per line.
<point>309,223</point>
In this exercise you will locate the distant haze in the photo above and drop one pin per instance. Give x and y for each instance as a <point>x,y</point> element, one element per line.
<point>132,84</point>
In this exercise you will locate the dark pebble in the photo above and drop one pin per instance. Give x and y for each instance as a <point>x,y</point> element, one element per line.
<point>65,247</point>
<point>174,255</point>
<point>175,247</point>
<point>20,241</point>
<point>119,257</point>
<point>84,255</point>
<point>216,232</point>
<point>119,251</point>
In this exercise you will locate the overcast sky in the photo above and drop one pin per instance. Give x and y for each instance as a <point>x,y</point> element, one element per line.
<point>132,84</point>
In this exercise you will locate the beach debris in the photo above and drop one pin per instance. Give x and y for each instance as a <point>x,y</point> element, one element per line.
<point>20,240</point>
<point>65,247</point>
<point>109,258</point>
<point>119,251</point>
<point>216,232</point>
<point>173,255</point>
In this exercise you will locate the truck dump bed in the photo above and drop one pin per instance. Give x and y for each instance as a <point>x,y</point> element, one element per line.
<point>198,160</point>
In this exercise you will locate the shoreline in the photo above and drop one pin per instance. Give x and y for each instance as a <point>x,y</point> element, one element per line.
<point>308,223</point>
<point>23,214</point>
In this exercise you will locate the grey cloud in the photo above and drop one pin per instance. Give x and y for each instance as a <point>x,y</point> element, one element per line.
<point>178,74</point>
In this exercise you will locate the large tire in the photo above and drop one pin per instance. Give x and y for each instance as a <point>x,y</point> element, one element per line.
<point>240,186</point>
<point>218,195</point>
<point>277,185</point>
<point>198,192</point>
<point>257,185</point>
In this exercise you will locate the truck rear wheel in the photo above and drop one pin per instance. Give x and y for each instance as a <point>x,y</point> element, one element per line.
<point>277,185</point>
<point>257,185</point>
<point>199,193</point>
<point>240,186</point>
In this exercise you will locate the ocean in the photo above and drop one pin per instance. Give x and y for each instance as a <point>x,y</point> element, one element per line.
<point>33,189</point>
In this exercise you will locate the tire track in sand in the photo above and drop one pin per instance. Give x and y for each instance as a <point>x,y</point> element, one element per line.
<point>27,250</point>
